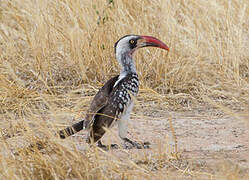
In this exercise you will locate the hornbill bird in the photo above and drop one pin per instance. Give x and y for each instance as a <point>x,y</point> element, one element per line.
<point>114,101</point>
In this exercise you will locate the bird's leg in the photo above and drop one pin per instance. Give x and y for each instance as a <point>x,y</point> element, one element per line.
<point>122,126</point>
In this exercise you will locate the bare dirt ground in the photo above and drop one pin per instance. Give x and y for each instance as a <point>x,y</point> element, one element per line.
<point>208,142</point>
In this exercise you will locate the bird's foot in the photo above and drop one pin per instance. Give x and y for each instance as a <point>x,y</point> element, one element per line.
<point>129,144</point>
<point>107,147</point>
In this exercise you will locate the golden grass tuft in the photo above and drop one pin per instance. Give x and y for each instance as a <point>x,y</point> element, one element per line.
<point>55,54</point>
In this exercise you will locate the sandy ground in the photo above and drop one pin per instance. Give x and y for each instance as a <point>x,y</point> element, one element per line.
<point>207,140</point>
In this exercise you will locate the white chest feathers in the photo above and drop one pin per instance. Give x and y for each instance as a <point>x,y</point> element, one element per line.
<point>123,121</point>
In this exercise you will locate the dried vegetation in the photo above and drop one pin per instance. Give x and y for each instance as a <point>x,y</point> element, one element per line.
<point>55,54</point>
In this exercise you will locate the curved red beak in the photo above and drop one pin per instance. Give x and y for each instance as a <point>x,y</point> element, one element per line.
<point>153,42</point>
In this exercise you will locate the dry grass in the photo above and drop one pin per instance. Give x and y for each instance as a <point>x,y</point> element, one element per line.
<point>54,54</point>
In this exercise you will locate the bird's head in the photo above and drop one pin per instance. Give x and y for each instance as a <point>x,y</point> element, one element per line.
<point>128,44</point>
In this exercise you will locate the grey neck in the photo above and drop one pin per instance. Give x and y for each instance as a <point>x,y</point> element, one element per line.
<point>127,64</point>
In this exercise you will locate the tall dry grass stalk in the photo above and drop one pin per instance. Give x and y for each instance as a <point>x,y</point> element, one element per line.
<point>54,54</point>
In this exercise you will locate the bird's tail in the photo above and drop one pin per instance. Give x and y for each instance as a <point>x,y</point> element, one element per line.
<point>71,130</point>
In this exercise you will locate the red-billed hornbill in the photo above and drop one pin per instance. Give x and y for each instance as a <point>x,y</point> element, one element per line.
<point>114,102</point>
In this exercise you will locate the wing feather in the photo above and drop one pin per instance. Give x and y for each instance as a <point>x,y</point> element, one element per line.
<point>99,101</point>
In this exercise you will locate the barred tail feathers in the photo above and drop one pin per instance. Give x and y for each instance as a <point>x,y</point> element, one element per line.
<point>71,130</point>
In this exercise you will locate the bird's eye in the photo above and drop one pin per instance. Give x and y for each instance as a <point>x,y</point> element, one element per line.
<point>132,41</point>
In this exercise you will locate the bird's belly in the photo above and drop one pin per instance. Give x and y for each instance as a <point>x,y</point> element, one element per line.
<point>127,111</point>
<point>123,117</point>
<point>123,121</point>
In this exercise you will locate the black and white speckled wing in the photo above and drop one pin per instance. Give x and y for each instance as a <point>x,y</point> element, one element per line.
<point>121,96</point>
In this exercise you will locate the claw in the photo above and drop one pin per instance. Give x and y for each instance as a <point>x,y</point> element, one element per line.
<point>105,147</point>
<point>134,144</point>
